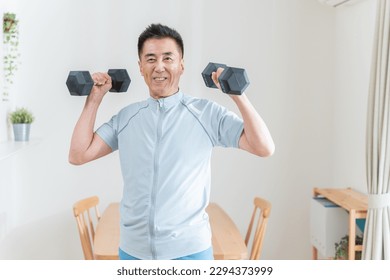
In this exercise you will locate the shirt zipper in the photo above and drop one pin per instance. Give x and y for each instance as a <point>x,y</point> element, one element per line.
<point>152,228</point>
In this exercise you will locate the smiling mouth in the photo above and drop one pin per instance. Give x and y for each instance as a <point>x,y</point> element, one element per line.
<point>159,79</point>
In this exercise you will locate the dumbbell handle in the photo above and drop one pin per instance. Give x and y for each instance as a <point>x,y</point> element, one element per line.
<point>112,78</point>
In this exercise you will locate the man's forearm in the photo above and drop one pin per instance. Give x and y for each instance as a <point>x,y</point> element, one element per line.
<point>258,139</point>
<point>83,132</point>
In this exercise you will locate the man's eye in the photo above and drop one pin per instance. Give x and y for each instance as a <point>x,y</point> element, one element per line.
<point>151,60</point>
<point>169,58</point>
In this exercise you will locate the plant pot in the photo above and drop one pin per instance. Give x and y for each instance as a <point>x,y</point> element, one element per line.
<point>21,131</point>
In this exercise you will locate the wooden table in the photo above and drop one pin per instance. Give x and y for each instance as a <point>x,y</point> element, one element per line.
<point>226,238</point>
<point>355,203</point>
<point>106,243</point>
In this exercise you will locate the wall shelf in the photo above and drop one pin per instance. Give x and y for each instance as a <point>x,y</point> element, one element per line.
<point>10,148</point>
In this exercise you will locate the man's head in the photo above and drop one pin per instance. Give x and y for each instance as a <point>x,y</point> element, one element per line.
<point>159,31</point>
<point>161,63</point>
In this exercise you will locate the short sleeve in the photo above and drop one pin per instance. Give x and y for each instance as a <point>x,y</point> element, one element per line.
<point>109,133</point>
<point>230,128</point>
<point>223,127</point>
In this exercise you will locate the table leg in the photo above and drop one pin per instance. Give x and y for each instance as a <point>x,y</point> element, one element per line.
<point>352,235</point>
<point>314,253</point>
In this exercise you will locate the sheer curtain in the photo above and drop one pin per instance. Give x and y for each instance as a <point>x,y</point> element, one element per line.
<point>376,244</point>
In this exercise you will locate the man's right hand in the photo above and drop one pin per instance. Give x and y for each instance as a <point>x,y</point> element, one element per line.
<point>102,84</point>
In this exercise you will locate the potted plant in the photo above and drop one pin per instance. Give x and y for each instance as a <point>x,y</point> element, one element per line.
<point>21,120</point>
<point>341,248</point>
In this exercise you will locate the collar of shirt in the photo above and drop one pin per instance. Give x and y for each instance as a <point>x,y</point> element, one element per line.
<point>167,102</point>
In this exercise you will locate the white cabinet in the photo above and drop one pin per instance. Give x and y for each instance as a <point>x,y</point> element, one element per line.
<point>328,224</point>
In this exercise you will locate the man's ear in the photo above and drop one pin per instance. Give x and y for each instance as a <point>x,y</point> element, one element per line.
<point>140,68</point>
<point>182,65</point>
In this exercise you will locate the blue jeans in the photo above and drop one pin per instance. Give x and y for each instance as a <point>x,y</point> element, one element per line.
<point>204,255</point>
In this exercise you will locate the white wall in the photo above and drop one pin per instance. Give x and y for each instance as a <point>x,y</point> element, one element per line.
<point>295,52</point>
<point>354,39</point>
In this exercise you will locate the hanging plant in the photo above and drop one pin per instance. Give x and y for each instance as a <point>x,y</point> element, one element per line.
<point>9,23</point>
<point>11,52</point>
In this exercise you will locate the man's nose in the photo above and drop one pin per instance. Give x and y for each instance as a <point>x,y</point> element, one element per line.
<point>160,67</point>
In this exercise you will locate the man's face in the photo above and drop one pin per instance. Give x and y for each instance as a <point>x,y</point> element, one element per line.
<point>161,65</point>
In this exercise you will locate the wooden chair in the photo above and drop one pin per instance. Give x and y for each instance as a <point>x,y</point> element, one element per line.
<point>86,223</point>
<point>261,212</point>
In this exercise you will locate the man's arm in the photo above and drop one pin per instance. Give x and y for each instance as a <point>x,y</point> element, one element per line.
<point>255,137</point>
<point>86,145</point>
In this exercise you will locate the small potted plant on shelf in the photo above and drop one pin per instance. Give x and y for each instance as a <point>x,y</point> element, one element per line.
<point>341,248</point>
<point>21,120</point>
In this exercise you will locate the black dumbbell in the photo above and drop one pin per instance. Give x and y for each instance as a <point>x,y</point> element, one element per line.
<point>232,80</point>
<point>80,82</point>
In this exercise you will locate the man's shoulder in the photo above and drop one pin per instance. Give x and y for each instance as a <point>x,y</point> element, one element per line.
<point>200,104</point>
<point>197,102</point>
<point>133,108</point>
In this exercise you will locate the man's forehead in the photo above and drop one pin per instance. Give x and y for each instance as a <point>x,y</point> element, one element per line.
<point>163,46</point>
<point>155,54</point>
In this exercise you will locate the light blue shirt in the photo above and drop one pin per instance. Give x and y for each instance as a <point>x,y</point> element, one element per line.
<point>165,148</point>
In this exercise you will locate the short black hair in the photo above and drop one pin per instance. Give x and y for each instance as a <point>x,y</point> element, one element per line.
<point>159,31</point>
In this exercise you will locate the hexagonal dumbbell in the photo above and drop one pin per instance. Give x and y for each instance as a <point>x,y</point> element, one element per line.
<point>80,83</point>
<point>232,80</point>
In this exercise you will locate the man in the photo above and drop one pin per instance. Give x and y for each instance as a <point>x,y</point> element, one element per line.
<point>165,145</point>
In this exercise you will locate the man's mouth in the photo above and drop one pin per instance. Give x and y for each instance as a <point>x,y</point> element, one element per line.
<point>159,78</point>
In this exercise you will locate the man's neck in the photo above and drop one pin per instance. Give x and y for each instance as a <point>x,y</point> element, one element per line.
<point>158,96</point>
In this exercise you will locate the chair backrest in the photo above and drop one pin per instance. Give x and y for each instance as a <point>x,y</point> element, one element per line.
<point>86,223</point>
<point>261,211</point>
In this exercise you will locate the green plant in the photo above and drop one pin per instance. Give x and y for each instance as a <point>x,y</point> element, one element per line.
<point>21,115</point>
<point>9,23</point>
<point>11,53</point>
<point>341,248</point>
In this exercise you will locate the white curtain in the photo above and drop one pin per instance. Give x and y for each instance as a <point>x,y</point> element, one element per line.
<point>376,244</point>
